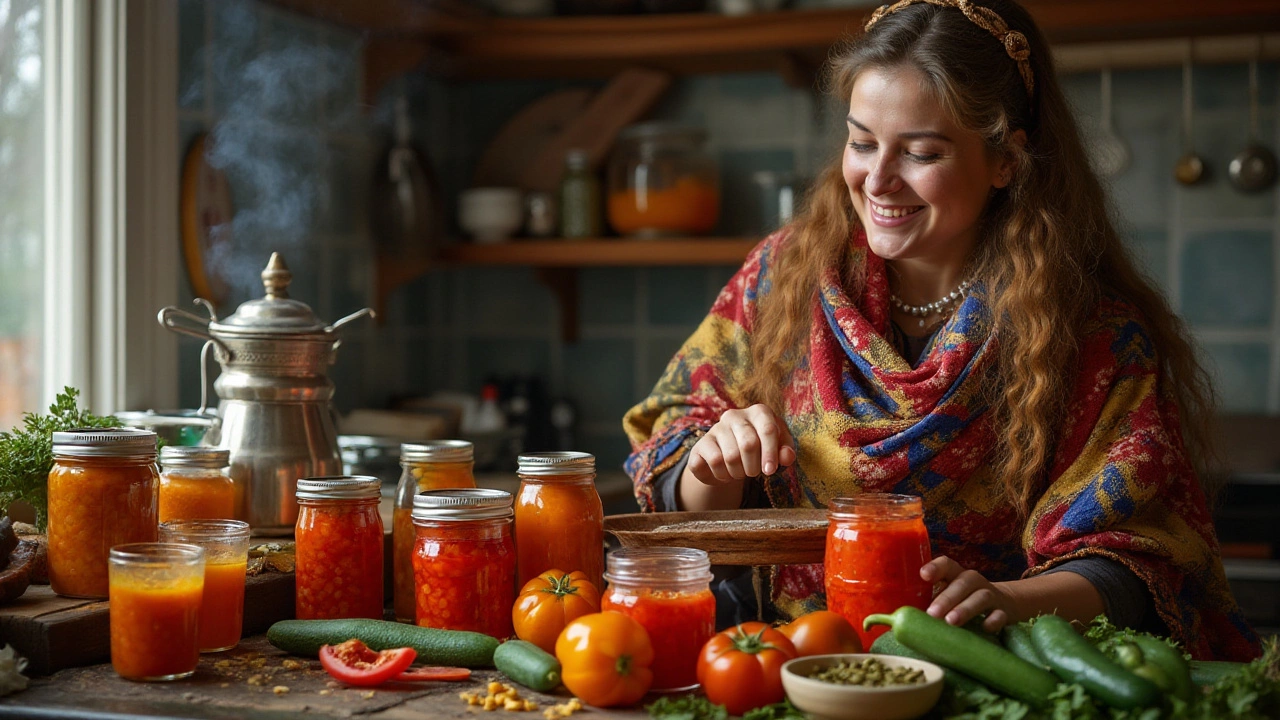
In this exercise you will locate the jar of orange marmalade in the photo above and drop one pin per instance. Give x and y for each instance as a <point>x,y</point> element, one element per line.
<point>464,560</point>
<point>876,545</point>
<point>668,591</point>
<point>195,484</point>
<point>102,493</point>
<point>559,518</point>
<point>427,466</point>
<point>339,548</point>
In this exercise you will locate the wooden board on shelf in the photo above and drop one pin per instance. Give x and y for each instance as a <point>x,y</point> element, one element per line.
<point>598,252</point>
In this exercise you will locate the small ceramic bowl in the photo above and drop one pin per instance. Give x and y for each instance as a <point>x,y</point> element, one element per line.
<point>854,702</point>
<point>491,214</point>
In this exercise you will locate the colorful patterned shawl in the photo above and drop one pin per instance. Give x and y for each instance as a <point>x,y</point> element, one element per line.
<point>864,420</point>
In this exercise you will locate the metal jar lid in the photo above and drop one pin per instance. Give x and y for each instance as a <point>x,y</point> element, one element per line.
<point>437,451</point>
<point>194,456</point>
<point>340,487</point>
<point>109,442</point>
<point>462,504</point>
<point>562,464</point>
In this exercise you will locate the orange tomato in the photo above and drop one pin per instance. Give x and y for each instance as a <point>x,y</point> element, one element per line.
<point>822,633</point>
<point>741,668</point>
<point>605,658</point>
<point>549,602</point>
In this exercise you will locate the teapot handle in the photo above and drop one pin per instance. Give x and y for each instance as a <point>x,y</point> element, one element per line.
<point>185,323</point>
<point>338,324</point>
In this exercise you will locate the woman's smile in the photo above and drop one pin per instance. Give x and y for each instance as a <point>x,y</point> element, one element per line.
<point>888,216</point>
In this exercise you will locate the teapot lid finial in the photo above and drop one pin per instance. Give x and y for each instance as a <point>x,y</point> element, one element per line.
<point>276,278</point>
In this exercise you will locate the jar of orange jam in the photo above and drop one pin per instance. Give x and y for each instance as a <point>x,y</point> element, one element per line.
<point>876,545</point>
<point>156,591</point>
<point>427,466</point>
<point>464,560</point>
<point>338,548</point>
<point>226,550</point>
<point>102,493</point>
<point>668,591</point>
<point>559,518</point>
<point>195,484</point>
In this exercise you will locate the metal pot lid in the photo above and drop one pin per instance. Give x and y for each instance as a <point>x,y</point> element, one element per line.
<point>275,313</point>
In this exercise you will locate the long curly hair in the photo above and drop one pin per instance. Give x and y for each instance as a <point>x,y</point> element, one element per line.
<point>1048,248</point>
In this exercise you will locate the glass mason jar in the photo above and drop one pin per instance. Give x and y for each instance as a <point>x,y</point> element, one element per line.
<point>876,545</point>
<point>559,517</point>
<point>195,484</point>
<point>338,547</point>
<point>464,560</point>
<point>663,181</point>
<point>102,493</point>
<point>155,595</point>
<point>579,197</point>
<point>427,466</point>
<point>668,591</point>
<point>226,555</point>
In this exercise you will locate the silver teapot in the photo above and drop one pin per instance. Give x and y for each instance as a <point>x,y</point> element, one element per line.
<point>274,394</point>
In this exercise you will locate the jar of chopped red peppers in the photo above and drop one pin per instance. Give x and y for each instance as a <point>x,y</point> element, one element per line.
<point>559,518</point>
<point>668,591</point>
<point>339,548</point>
<point>464,560</point>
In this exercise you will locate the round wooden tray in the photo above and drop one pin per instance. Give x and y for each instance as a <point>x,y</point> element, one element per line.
<point>730,537</point>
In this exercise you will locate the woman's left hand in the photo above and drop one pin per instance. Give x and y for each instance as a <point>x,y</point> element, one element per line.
<point>966,594</point>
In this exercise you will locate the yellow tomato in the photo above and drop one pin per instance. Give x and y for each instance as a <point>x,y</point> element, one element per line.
<point>605,659</point>
<point>549,602</point>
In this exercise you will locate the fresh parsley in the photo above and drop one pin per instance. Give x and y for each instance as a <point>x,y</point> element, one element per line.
<point>777,711</point>
<point>686,707</point>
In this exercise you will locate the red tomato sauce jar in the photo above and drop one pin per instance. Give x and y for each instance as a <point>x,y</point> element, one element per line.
<point>464,560</point>
<point>339,548</point>
<point>559,518</point>
<point>876,545</point>
<point>668,591</point>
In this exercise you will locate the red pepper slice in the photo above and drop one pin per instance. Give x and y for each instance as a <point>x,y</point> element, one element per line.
<point>354,663</point>
<point>434,673</point>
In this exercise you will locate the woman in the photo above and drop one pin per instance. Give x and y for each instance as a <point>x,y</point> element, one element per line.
<point>954,316</point>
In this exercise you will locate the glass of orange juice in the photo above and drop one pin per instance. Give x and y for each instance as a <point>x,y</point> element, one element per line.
<point>226,547</point>
<point>154,591</point>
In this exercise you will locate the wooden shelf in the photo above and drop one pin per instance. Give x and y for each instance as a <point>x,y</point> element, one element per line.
<point>597,252</point>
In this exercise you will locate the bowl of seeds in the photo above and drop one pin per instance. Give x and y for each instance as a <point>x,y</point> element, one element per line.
<point>862,686</point>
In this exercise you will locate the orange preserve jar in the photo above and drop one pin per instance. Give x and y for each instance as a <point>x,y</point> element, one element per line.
<point>195,484</point>
<point>668,591</point>
<point>102,493</point>
<point>427,466</point>
<point>876,545</point>
<point>226,555</point>
<point>338,548</point>
<point>464,560</point>
<point>559,519</point>
<point>156,590</point>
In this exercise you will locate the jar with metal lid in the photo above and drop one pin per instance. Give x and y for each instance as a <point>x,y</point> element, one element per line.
<point>427,466</point>
<point>195,484</point>
<point>464,560</point>
<point>102,492</point>
<point>559,517</point>
<point>668,591</point>
<point>663,181</point>
<point>339,548</point>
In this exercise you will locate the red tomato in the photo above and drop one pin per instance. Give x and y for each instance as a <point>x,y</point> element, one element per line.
<point>741,668</point>
<point>354,663</point>
<point>822,633</point>
<point>431,672</point>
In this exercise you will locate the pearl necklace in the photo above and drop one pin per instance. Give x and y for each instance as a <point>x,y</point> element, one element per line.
<point>937,306</point>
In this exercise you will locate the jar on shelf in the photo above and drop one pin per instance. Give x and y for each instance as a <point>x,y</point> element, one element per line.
<point>338,548</point>
<point>559,517</point>
<point>102,493</point>
<point>668,591</point>
<point>427,466</point>
<point>464,560</point>
<point>579,197</point>
<point>195,484</point>
<point>663,182</point>
<point>876,545</point>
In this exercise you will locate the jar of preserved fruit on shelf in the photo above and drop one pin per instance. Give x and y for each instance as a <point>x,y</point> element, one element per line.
<point>559,517</point>
<point>663,181</point>
<point>427,466</point>
<point>195,484</point>
<point>338,548</point>
<point>668,591</point>
<point>102,493</point>
<point>876,545</point>
<point>464,560</point>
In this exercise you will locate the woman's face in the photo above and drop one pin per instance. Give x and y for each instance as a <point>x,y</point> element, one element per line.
<point>918,181</point>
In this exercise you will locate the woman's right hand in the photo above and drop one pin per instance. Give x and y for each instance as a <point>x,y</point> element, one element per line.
<point>745,443</point>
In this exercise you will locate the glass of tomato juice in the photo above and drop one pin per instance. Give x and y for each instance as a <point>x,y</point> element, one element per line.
<point>226,548</point>
<point>154,591</point>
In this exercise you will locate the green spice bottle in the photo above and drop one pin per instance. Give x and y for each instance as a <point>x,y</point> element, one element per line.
<point>580,215</point>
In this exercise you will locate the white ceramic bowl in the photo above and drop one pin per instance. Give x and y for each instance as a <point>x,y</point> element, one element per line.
<point>855,702</point>
<point>491,214</point>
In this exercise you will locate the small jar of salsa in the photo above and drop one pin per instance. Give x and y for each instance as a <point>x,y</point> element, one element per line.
<point>155,595</point>
<point>876,545</point>
<point>195,484</point>
<point>339,548</point>
<point>668,591</point>
<point>559,518</point>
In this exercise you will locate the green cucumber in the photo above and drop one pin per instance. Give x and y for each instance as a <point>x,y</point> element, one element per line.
<point>1170,662</point>
<point>435,647</point>
<point>1076,660</point>
<point>1209,672</point>
<point>1017,638</point>
<point>887,644</point>
<point>528,664</point>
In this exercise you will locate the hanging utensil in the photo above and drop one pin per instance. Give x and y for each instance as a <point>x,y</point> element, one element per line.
<point>1111,155</point>
<point>1191,167</point>
<point>1253,169</point>
<point>407,206</point>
